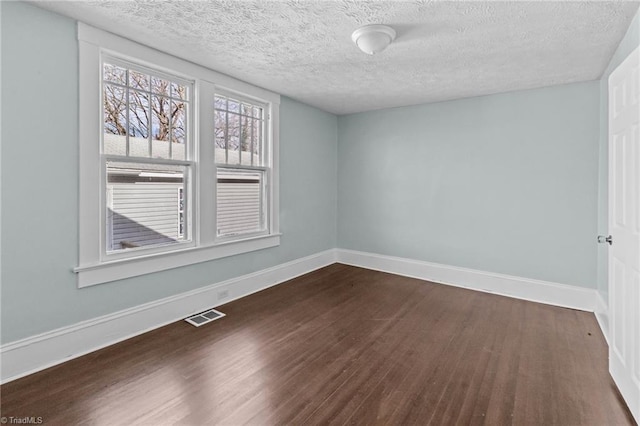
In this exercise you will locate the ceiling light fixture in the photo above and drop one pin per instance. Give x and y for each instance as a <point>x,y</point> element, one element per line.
<point>372,39</point>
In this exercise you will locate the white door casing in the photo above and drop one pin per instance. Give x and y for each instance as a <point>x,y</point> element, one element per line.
<point>624,227</point>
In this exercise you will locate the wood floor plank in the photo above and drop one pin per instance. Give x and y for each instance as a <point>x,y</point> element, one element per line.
<point>343,345</point>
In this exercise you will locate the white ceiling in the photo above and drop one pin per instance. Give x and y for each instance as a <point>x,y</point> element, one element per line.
<point>444,50</point>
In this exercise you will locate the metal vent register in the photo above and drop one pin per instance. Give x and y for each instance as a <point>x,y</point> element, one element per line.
<point>204,317</point>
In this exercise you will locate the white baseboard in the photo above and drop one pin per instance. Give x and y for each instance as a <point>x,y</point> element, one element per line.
<point>602,315</point>
<point>36,353</point>
<point>506,285</point>
<point>45,350</point>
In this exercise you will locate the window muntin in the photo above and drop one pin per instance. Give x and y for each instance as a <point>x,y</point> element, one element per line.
<point>239,132</point>
<point>241,167</point>
<point>145,114</point>
<point>146,146</point>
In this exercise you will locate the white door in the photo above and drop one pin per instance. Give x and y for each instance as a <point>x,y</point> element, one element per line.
<point>624,227</point>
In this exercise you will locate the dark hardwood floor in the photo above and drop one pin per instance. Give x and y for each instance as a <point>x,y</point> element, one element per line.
<point>343,345</point>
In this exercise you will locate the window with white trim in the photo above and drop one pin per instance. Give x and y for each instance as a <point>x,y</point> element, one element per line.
<point>241,172</point>
<point>147,151</point>
<point>178,164</point>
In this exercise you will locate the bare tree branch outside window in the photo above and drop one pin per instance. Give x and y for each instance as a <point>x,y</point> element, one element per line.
<point>136,104</point>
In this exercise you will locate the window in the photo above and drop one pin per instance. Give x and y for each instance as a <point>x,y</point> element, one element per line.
<point>178,164</point>
<point>146,145</point>
<point>241,171</point>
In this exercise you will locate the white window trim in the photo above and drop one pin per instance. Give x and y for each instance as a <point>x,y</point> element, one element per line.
<point>92,268</point>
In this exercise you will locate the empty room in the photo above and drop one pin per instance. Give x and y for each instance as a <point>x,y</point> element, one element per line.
<point>306,212</point>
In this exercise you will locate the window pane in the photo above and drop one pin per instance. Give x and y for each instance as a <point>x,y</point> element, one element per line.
<point>160,118</point>
<point>179,91</point>
<point>220,125</point>
<point>178,130</point>
<point>139,115</point>
<point>138,80</point>
<point>220,102</point>
<point>239,202</point>
<point>144,205</point>
<point>114,74</point>
<point>255,143</point>
<point>233,154</point>
<point>245,140</point>
<point>159,86</point>
<point>115,119</point>
<point>115,104</point>
<point>234,106</point>
<point>257,146</point>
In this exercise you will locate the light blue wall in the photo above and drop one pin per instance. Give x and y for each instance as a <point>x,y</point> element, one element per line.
<point>509,183</point>
<point>628,44</point>
<point>504,183</point>
<point>40,187</point>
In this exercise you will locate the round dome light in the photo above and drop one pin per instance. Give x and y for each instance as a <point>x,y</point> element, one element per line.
<point>372,39</point>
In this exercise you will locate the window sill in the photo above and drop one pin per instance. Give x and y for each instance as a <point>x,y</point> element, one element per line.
<point>126,268</point>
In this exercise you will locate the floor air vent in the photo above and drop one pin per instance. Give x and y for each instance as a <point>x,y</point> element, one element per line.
<point>204,317</point>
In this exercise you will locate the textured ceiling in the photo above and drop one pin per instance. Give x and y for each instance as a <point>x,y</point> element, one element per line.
<point>444,50</point>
